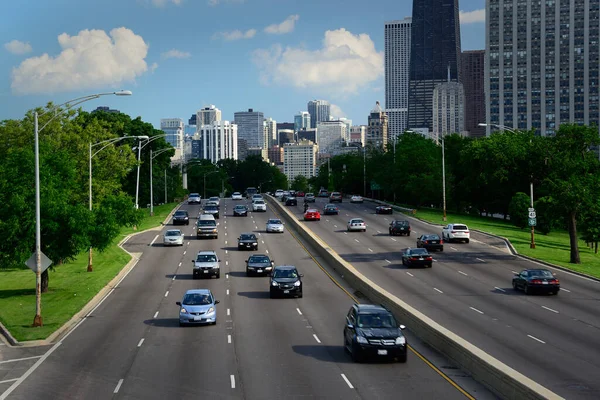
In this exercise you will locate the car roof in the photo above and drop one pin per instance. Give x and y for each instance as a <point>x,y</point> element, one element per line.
<point>247,233</point>
<point>274,220</point>
<point>370,308</point>
<point>174,230</point>
<point>258,255</point>
<point>199,291</point>
<point>285,267</point>
<point>207,252</point>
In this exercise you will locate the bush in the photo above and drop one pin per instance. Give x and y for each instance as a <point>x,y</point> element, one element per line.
<point>546,210</point>
<point>518,210</point>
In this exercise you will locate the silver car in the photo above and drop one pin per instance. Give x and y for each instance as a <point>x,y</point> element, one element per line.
<point>274,225</point>
<point>215,199</point>
<point>357,224</point>
<point>198,306</point>
<point>173,237</point>
<point>206,264</point>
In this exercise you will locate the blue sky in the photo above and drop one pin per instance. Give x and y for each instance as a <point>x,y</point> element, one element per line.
<point>180,55</point>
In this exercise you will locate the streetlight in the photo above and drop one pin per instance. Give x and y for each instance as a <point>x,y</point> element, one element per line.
<point>106,143</point>
<point>151,192</point>
<point>37,320</point>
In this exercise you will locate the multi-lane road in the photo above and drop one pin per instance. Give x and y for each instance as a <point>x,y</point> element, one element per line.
<point>554,340</point>
<point>131,345</point>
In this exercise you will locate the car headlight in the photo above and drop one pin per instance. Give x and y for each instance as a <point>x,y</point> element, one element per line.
<point>254,243</point>
<point>214,230</point>
<point>401,340</point>
<point>274,283</point>
<point>183,311</point>
<point>212,310</point>
<point>297,283</point>
<point>268,267</point>
<point>362,340</point>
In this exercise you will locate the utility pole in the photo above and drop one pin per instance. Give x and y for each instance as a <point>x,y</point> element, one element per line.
<point>165,186</point>
<point>364,171</point>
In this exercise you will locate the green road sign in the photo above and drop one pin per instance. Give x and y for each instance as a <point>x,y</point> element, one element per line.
<point>375,186</point>
<point>532,221</point>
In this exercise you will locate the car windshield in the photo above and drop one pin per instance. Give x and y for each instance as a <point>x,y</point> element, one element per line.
<point>376,321</point>
<point>194,195</point>
<point>173,233</point>
<point>213,199</point>
<point>211,208</point>
<point>240,207</point>
<point>206,223</point>
<point>431,237</point>
<point>285,273</point>
<point>259,202</point>
<point>259,259</point>
<point>310,195</point>
<point>181,213</point>
<point>274,222</point>
<point>460,228</point>
<point>237,194</point>
<point>540,273</point>
<point>400,223</point>
<point>416,252</point>
<point>206,258</point>
<point>247,237</point>
<point>197,299</point>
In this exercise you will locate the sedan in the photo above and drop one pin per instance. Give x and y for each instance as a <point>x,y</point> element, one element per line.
<point>259,205</point>
<point>247,241</point>
<point>312,215</point>
<point>240,211</point>
<point>285,281</point>
<point>412,257</point>
<point>309,198</point>
<point>173,237</point>
<point>259,264</point>
<point>197,307</point>
<point>236,196</point>
<point>274,225</point>
<point>384,209</point>
<point>430,242</point>
<point>181,217</point>
<point>536,280</point>
<point>291,201</point>
<point>356,199</point>
<point>330,209</point>
<point>215,199</point>
<point>356,224</point>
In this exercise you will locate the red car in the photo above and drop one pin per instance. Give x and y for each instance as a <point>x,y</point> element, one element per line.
<point>300,194</point>
<point>312,215</point>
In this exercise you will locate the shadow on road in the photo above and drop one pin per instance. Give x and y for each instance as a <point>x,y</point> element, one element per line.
<point>163,322</point>
<point>255,295</point>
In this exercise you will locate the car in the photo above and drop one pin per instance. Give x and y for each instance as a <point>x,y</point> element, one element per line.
<point>236,196</point>
<point>274,225</point>
<point>399,227</point>
<point>215,199</point>
<point>330,209</point>
<point>536,280</point>
<point>356,224</point>
<point>181,217</point>
<point>412,257</point>
<point>356,199</point>
<point>291,201</point>
<point>300,194</point>
<point>207,227</point>
<point>323,193</point>
<point>372,331</point>
<point>285,281</point>
<point>197,307</point>
<point>279,193</point>
<point>285,195</point>
<point>259,264</point>
<point>259,205</point>
<point>309,198</point>
<point>293,193</point>
<point>456,233</point>
<point>206,265</point>
<point>335,197</point>
<point>312,214</point>
<point>240,210</point>
<point>194,198</point>
<point>173,237</point>
<point>247,241</point>
<point>430,242</point>
<point>250,191</point>
<point>384,209</point>
<point>256,197</point>
<point>211,209</point>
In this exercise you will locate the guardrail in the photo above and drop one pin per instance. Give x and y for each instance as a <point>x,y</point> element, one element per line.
<point>489,371</point>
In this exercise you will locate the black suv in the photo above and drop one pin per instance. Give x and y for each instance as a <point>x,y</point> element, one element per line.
<point>372,330</point>
<point>291,201</point>
<point>247,241</point>
<point>181,217</point>
<point>398,227</point>
<point>285,281</point>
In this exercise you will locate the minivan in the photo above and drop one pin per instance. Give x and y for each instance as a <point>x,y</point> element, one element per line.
<point>207,227</point>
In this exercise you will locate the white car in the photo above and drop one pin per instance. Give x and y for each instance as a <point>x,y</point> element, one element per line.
<point>194,198</point>
<point>456,233</point>
<point>259,205</point>
<point>357,224</point>
<point>278,193</point>
<point>236,196</point>
<point>257,197</point>
<point>215,199</point>
<point>274,225</point>
<point>356,199</point>
<point>173,237</point>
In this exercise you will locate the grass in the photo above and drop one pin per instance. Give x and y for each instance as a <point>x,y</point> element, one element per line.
<point>553,248</point>
<point>71,287</point>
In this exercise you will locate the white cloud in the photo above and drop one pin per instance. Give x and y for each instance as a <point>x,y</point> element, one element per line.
<point>344,63</point>
<point>175,54</point>
<point>471,17</point>
<point>162,3</point>
<point>90,59</point>
<point>18,47</point>
<point>214,3</point>
<point>336,111</point>
<point>153,67</point>
<point>286,26</point>
<point>235,35</point>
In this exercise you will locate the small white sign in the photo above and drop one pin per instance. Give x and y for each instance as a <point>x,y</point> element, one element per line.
<point>46,262</point>
<point>531,209</point>
<point>531,214</point>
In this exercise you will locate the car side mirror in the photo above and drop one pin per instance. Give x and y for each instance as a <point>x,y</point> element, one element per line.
<point>402,327</point>
<point>246,261</point>
<point>193,261</point>
<point>350,326</point>
<point>178,303</point>
<point>272,263</point>
<point>217,301</point>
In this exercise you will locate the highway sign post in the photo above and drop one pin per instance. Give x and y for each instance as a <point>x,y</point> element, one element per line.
<point>532,221</point>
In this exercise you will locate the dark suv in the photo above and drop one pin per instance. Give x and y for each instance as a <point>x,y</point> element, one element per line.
<point>291,201</point>
<point>372,330</point>
<point>285,281</point>
<point>335,196</point>
<point>398,227</point>
<point>181,217</point>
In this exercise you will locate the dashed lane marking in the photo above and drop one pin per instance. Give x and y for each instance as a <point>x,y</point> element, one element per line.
<point>347,382</point>
<point>534,338</point>
<point>140,343</point>
<point>316,338</point>
<point>476,310</point>
<point>20,359</point>
<point>118,386</point>
<point>437,290</point>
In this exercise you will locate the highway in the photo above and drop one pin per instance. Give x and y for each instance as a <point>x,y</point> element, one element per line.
<point>131,345</point>
<point>554,340</point>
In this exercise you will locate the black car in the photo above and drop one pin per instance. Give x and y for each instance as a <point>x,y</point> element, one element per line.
<point>247,241</point>
<point>212,210</point>
<point>412,257</point>
<point>398,227</point>
<point>291,201</point>
<point>259,264</point>
<point>240,211</point>
<point>372,330</point>
<point>285,281</point>
<point>330,209</point>
<point>430,242</point>
<point>536,280</point>
<point>384,209</point>
<point>181,217</point>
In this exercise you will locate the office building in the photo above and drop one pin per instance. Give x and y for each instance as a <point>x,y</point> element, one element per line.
<point>196,147</point>
<point>276,155</point>
<point>173,128</point>
<point>358,134</point>
<point>377,128</point>
<point>285,125</point>
<point>473,67</point>
<point>193,119</point>
<point>285,136</point>
<point>106,109</point>
<point>250,127</point>
<point>259,152</point>
<point>347,121</point>
<point>448,109</point>
<point>434,45</point>
<point>207,115</point>
<point>320,111</point>
<point>190,130</point>
<point>307,134</point>
<point>270,132</point>
<point>542,64</point>
<point>331,136</point>
<point>302,121</point>
<point>397,74</point>
<point>219,141</point>
<point>300,159</point>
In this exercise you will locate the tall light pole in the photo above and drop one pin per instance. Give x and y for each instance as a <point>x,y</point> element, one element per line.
<point>364,171</point>
<point>37,320</point>
<point>152,157</point>
<point>444,177</point>
<point>166,186</point>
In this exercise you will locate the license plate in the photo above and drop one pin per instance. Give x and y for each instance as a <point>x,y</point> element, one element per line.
<point>544,283</point>
<point>206,272</point>
<point>286,291</point>
<point>260,270</point>
<point>382,352</point>
<point>420,258</point>
<point>197,318</point>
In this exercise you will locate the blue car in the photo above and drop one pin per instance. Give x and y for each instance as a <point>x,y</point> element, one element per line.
<point>198,307</point>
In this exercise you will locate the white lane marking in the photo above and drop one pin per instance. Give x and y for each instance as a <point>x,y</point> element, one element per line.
<point>480,259</point>
<point>514,272</point>
<point>153,240</point>
<point>299,312</point>
<point>174,276</point>
<point>410,274</point>
<point>394,239</point>
<point>262,241</point>
<point>229,311</point>
<point>226,262</point>
<point>378,232</point>
<point>388,261</point>
<point>347,215</point>
<point>437,290</point>
<point>476,310</point>
<point>225,233</point>
<point>155,314</point>
<point>225,251</point>
<point>371,250</point>
<point>9,380</point>
<point>227,292</point>
<point>167,293</point>
<point>549,309</point>
<point>226,276</point>
<point>232,381</point>
<point>316,338</point>
<point>356,240</point>
<point>184,252</point>
<point>497,288</point>
<point>460,272</point>
<point>335,226</point>
<point>19,359</point>
<point>345,233</point>
<point>267,251</point>
<point>385,218</point>
<point>565,290</point>
<point>226,242</point>
<point>118,386</point>
<point>534,338</point>
<point>228,338</point>
<point>347,381</point>
<point>140,343</point>
<point>180,264</point>
<point>453,248</point>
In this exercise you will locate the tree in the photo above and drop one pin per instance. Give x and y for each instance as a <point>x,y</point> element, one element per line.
<point>591,225</point>
<point>549,216</point>
<point>300,183</point>
<point>518,209</point>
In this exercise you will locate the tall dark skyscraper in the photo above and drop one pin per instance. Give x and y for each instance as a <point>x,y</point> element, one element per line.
<point>435,45</point>
<point>473,67</point>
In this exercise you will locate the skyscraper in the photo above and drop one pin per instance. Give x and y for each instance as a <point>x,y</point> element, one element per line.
<point>473,66</point>
<point>319,110</point>
<point>207,115</point>
<point>397,74</point>
<point>300,159</point>
<point>331,135</point>
<point>434,45</point>
<point>542,66</point>
<point>270,128</point>
<point>173,128</point>
<point>377,128</point>
<point>301,121</point>
<point>219,141</point>
<point>448,109</point>
<point>250,130</point>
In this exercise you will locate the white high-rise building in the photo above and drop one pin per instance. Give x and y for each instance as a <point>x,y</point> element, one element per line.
<point>173,127</point>
<point>397,75</point>
<point>208,115</point>
<point>448,109</point>
<point>270,133</point>
<point>302,121</point>
<point>300,159</point>
<point>320,111</point>
<point>331,136</point>
<point>219,141</point>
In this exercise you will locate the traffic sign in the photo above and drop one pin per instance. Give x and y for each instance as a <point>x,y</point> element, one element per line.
<point>375,186</point>
<point>531,209</point>
<point>532,221</point>
<point>46,262</point>
<point>532,214</point>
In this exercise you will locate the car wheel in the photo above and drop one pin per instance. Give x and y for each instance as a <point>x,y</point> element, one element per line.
<point>467,241</point>
<point>194,276</point>
<point>403,263</point>
<point>514,285</point>
<point>218,274</point>
<point>181,323</point>
<point>248,273</point>
<point>214,323</point>
<point>271,295</point>
<point>526,289</point>
<point>441,249</point>
<point>402,358</point>
<point>300,295</point>
<point>346,347</point>
<point>408,234</point>
<point>430,265</point>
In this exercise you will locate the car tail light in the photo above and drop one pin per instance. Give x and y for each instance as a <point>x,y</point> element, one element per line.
<point>536,281</point>
<point>441,241</point>
<point>429,258</point>
<point>415,257</point>
<point>554,281</point>
<point>466,231</point>
<point>426,242</point>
